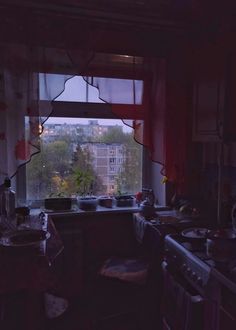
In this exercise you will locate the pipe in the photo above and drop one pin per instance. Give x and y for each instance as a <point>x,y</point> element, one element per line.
<point>219,195</point>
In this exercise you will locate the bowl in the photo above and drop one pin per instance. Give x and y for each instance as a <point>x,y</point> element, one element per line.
<point>24,237</point>
<point>221,245</point>
<point>196,233</point>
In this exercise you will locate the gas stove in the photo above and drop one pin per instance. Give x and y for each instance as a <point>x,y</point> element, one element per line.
<point>193,263</point>
<point>187,260</point>
<point>207,286</point>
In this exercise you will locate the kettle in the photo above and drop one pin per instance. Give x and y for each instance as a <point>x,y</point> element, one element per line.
<point>146,209</point>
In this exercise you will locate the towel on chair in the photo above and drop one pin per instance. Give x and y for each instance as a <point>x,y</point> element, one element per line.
<point>130,270</point>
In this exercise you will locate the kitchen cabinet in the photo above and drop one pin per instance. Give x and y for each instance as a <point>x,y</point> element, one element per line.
<point>209,95</point>
<point>69,264</point>
<point>227,309</point>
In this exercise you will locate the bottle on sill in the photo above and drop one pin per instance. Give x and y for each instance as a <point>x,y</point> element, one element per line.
<point>7,200</point>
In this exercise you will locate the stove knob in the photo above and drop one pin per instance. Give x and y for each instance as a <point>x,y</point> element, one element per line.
<point>199,281</point>
<point>188,271</point>
<point>194,276</point>
<point>184,268</point>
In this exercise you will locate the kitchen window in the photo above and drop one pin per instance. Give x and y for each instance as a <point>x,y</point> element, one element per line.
<point>82,142</point>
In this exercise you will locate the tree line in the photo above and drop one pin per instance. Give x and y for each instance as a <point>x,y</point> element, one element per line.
<point>64,168</point>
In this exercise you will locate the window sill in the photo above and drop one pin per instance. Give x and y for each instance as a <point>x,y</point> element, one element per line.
<point>99,210</point>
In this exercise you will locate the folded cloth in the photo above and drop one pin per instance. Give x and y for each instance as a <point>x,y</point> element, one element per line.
<point>129,270</point>
<point>139,226</point>
<point>54,306</point>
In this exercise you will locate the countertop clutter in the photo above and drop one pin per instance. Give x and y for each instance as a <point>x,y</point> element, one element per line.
<point>27,255</point>
<point>31,250</point>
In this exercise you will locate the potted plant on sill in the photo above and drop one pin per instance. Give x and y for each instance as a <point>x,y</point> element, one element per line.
<point>59,199</point>
<point>84,180</point>
<point>58,202</point>
<point>124,199</point>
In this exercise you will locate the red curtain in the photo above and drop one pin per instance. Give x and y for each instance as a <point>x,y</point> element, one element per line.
<point>162,118</point>
<point>153,98</point>
<point>178,120</point>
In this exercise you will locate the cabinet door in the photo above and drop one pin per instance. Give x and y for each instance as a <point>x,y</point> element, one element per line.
<point>69,264</point>
<point>208,96</point>
<point>227,320</point>
<point>227,310</point>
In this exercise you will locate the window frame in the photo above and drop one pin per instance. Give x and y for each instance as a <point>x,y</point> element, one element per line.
<point>69,109</point>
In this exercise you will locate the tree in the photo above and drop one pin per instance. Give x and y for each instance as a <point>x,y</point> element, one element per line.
<point>47,169</point>
<point>38,176</point>
<point>58,170</point>
<point>114,134</point>
<point>58,154</point>
<point>84,178</point>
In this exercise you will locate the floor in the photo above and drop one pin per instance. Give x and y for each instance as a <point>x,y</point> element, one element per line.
<point>113,308</point>
<point>107,306</point>
<point>80,320</point>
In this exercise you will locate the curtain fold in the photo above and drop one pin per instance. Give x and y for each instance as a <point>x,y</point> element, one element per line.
<point>178,124</point>
<point>161,106</point>
<point>146,97</point>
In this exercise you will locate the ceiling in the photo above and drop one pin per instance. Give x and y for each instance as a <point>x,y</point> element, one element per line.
<point>134,26</point>
<point>149,13</point>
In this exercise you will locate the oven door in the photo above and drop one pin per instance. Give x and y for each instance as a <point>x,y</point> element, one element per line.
<point>182,307</point>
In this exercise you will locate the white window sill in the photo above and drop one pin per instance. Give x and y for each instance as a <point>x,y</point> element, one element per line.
<point>99,210</point>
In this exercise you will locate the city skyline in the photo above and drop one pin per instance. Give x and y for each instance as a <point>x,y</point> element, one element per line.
<point>85,121</point>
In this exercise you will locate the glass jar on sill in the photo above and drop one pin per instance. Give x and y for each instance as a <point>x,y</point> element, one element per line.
<point>22,215</point>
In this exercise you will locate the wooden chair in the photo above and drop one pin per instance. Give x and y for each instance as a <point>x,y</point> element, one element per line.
<point>119,271</point>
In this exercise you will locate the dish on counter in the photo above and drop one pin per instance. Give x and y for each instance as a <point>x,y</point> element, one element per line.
<point>24,237</point>
<point>168,220</point>
<point>59,211</point>
<point>195,233</point>
<point>223,234</point>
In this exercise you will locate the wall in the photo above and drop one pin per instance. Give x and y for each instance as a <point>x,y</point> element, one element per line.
<point>158,187</point>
